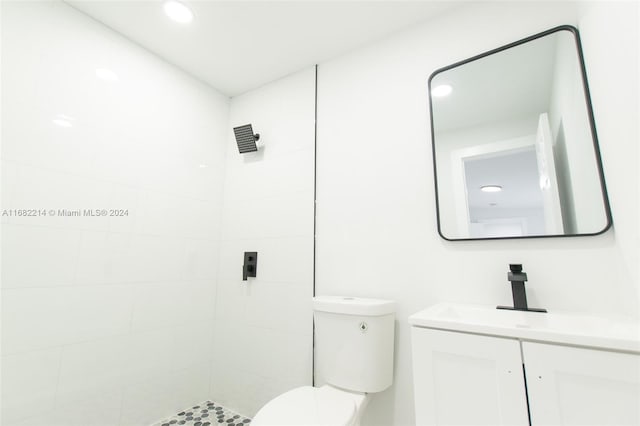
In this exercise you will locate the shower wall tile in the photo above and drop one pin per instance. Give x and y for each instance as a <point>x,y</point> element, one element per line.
<point>275,217</point>
<point>98,310</point>
<point>9,173</point>
<point>43,317</point>
<point>121,197</point>
<point>201,259</point>
<point>167,214</point>
<point>134,258</point>
<point>237,387</point>
<point>103,258</point>
<point>48,190</point>
<point>264,325</point>
<point>273,305</point>
<point>282,112</point>
<point>96,411</point>
<point>148,354</point>
<point>144,403</point>
<point>102,410</point>
<point>278,353</point>
<point>192,345</point>
<point>31,381</point>
<point>283,260</point>
<point>288,173</point>
<point>172,304</point>
<point>38,256</point>
<point>91,369</point>
<point>190,384</point>
<point>231,298</point>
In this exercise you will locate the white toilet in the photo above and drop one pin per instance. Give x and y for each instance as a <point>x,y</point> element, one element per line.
<point>354,357</point>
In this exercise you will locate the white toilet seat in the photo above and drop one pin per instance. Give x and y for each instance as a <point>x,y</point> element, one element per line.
<point>309,406</point>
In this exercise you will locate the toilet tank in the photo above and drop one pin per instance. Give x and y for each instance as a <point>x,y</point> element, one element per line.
<point>354,342</point>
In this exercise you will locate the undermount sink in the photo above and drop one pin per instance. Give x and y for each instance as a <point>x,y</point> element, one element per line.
<point>563,328</point>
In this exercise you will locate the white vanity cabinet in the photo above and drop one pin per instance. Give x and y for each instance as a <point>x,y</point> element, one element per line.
<point>579,386</point>
<point>475,365</point>
<point>467,379</point>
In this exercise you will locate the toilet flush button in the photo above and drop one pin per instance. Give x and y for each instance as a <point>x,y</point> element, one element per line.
<point>363,327</point>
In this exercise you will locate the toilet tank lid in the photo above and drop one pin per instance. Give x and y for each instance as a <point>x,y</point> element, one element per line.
<point>353,305</point>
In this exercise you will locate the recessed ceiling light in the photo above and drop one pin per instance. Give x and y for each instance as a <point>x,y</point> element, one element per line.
<point>203,166</point>
<point>491,188</point>
<point>106,74</point>
<point>441,90</point>
<point>177,11</point>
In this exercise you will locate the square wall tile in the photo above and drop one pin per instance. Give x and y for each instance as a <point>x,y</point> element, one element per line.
<point>201,260</point>
<point>172,304</point>
<point>147,402</point>
<point>193,345</point>
<point>38,256</point>
<point>91,370</point>
<point>277,354</point>
<point>276,306</point>
<point>35,318</point>
<point>231,300</point>
<point>29,383</point>
<point>107,258</point>
<point>148,354</point>
<point>123,197</point>
<point>288,173</point>
<point>288,215</point>
<point>190,385</point>
<point>48,190</point>
<point>102,410</point>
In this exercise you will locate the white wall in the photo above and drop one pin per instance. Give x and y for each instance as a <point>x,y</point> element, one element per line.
<point>104,320</point>
<point>264,325</point>
<point>376,222</point>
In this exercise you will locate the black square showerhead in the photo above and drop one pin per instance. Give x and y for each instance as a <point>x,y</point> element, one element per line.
<point>246,139</point>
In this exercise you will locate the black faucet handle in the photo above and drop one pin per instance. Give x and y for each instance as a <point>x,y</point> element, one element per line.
<point>515,273</point>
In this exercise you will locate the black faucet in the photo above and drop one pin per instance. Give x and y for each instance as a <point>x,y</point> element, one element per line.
<point>518,278</point>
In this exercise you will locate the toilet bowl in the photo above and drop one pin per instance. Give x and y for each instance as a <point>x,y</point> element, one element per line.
<point>309,406</point>
<point>354,357</point>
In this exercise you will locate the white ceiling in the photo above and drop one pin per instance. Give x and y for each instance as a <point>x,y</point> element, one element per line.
<point>236,46</point>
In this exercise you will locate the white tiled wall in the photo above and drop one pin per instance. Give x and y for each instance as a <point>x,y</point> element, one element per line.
<point>376,218</point>
<point>264,325</point>
<point>105,321</point>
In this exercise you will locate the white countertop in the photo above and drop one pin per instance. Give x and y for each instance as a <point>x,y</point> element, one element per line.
<point>552,327</point>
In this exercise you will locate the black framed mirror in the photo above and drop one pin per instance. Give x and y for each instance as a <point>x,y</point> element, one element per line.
<point>514,143</point>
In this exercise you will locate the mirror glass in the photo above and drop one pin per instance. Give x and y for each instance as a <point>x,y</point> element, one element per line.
<point>514,143</point>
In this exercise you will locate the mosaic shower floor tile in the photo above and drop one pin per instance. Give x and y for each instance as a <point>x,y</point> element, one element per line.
<point>206,413</point>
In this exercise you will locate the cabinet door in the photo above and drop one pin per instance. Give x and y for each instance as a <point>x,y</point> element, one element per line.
<point>467,379</point>
<point>576,386</point>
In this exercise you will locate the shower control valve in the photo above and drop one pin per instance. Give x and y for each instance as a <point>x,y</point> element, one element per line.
<point>250,266</point>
